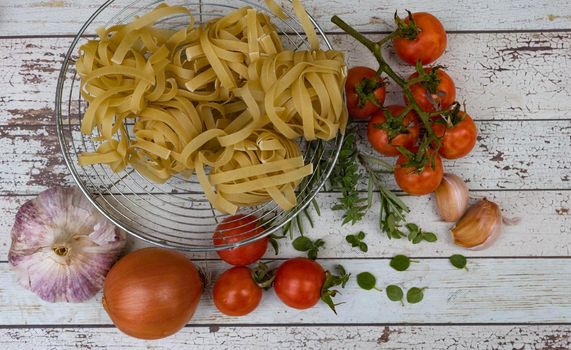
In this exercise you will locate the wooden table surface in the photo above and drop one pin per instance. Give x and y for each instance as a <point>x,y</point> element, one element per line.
<point>510,61</point>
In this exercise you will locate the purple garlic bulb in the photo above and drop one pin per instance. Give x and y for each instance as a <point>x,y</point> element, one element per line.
<point>62,247</point>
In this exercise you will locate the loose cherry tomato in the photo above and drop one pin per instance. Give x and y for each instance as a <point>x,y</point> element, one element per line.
<point>437,93</point>
<point>235,292</point>
<point>235,229</point>
<point>458,139</point>
<point>414,182</point>
<point>423,40</point>
<point>386,136</point>
<point>365,92</point>
<point>298,282</point>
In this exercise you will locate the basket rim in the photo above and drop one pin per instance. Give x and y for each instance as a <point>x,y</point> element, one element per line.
<point>118,223</point>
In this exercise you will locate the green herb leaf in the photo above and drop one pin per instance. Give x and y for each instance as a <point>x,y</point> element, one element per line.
<point>458,261</point>
<point>412,227</point>
<point>331,280</point>
<point>366,280</point>
<point>429,237</point>
<point>302,244</point>
<point>394,293</point>
<point>356,241</point>
<point>417,239</point>
<point>400,263</point>
<point>305,244</point>
<point>415,295</point>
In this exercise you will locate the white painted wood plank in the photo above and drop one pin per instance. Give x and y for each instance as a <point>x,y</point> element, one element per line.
<point>312,337</point>
<point>504,157</point>
<point>545,229</point>
<point>493,291</point>
<point>57,17</point>
<point>500,76</point>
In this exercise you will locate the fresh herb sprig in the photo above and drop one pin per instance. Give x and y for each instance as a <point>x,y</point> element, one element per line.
<point>356,241</point>
<point>417,235</point>
<point>334,280</point>
<point>305,244</point>
<point>345,178</point>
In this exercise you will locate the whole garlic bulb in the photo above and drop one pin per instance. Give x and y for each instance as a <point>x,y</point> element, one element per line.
<point>62,247</point>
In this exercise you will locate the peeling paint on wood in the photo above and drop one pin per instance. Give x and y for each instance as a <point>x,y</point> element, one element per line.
<point>32,161</point>
<point>544,230</point>
<point>496,80</point>
<point>49,17</point>
<point>334,337</point>
<point>494,290</point>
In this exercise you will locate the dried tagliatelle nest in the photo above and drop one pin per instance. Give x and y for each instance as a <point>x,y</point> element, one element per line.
<point>222,100</point>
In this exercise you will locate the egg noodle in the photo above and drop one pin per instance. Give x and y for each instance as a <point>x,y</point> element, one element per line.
<point>223,96</point>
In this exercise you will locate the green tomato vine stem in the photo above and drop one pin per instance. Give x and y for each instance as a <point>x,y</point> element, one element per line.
<point>376,49</point>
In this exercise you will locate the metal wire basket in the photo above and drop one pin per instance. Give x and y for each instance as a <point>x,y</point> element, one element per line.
<point>175,214</point>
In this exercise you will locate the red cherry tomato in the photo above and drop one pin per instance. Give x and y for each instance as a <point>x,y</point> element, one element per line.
<point>365,92</point>
<point>403,134</point>
<point>458,139</point>
<point>235,229</point>
<point>418,183</point>
<point>439,91</point>
<point>235,292</point>
<point>298,282</point>
<point>427,46</point>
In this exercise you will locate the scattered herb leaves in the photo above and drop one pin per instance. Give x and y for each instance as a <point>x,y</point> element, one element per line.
<point>415,295</point>
<point>356,240</point>
<point>367,281</point>
<point>331,280</point>
<point>305,244</point>
<point>458,261</point>
<point>394,293</point>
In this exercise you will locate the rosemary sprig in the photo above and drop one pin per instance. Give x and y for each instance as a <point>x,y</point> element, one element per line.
<point>345,177</point>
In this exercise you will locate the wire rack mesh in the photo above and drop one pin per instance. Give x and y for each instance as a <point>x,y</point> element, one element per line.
<point>175,214</point>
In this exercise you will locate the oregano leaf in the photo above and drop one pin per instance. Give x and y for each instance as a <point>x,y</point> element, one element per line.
<point>400,262</point>
<point>415,295</point>
<point>366,280</point>
<point>394,293</point>
<point>458,261</point>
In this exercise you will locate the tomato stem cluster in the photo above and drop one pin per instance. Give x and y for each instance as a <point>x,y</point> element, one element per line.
<point>384,67</point>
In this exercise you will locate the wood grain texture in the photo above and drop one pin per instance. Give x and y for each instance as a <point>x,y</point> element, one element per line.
<point>57,17</point>
<point>504,157</point>
<point>499,75</point>
<point>492,291</point>
<point>312,337</point>
<point>545,229</point>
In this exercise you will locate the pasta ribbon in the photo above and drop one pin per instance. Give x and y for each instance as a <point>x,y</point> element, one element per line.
<point>223,100</point>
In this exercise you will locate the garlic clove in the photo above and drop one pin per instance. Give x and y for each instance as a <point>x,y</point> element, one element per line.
<point>479,227</point>
<point>62,247</point>
<point>451,198</point>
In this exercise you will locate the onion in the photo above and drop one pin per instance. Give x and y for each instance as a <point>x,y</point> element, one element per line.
<point>152,293</point>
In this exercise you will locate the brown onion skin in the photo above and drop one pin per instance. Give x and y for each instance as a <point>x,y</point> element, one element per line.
<point>152,293</point>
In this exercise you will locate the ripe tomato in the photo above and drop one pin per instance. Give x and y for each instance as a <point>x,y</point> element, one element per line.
<point>457,139</point>
<point>235,229</point>
<point>418,183</point>
<point>438,93</point>
<point>235,292</point>
<point>298,282</point>
<point>424,41</point>
<point>398,133</point>
<point>365,92</point>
